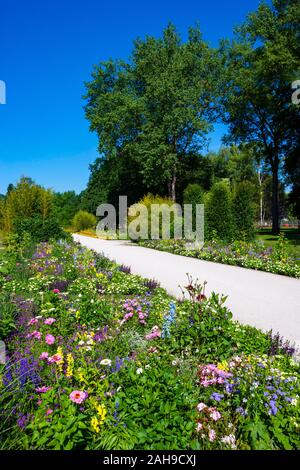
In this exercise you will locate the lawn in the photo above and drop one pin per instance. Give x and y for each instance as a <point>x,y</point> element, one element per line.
<point>291,235</point>
<point>99,358</point>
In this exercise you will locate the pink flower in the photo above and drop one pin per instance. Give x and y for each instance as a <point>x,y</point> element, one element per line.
<point>50,339</point>
<point>212,435</point>
<point>43,389</point>
<point>154,333</point>
<point>78,396</point>
<point>35,334</point>
<point>215,415</point>
<point>205,383</point>
<point>49,321</point>
<point>56,291</point>
<point>32,321</point>
<point>201,406</point>
<point>199,427</point>
<point>127,316</point>
<point>55,358</point>
<point>49,412</point>
<point>44,355</point>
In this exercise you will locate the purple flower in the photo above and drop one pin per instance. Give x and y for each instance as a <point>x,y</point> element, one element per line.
<point>273,407</point>
<point>229,387</point>
<point>23,420</point>
<point>241,411</point>
<point>216,396</point>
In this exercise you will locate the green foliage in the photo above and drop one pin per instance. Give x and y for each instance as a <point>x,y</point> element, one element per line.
<point>193,194</point>
<point>83,220</point>
<point>39,229</point>
<point>28,208</point>
<point>135,391</point>
<point>277,260</point>
<point>146,216</point>
<point>243,211</point>
<point>7,317</point>
<point>154,110</point>
<point>65,206</point>
<point>219,213</point>
<point>257,102</point>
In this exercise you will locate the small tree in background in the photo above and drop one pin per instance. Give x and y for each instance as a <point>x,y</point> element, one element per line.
<point>28,208</point>
<point>244,211</point>
<point>218,212</point>
<point>84,220</point>
<point>148,202</point>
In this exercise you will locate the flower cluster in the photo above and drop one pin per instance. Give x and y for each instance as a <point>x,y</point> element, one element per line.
<point>168,321</point>
<point>137,307</point>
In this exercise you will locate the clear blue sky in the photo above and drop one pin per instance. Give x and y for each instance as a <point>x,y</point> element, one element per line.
<point>47,49</point>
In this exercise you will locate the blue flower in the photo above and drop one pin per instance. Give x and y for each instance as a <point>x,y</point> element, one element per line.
<point>216,396</point>
<point>273,407</point>
<point>169,319</point>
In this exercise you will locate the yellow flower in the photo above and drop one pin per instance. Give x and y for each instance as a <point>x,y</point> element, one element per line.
<point>77,314</point>
<point>80,375</point>
<point>223,366</point>
<point>95,424</point>
<point>101,410</point>
<point>60,363</point>
<point>100,275</point>
<point>70,365</point>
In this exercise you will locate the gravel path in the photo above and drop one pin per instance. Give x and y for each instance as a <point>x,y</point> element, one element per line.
<point>267,301</point>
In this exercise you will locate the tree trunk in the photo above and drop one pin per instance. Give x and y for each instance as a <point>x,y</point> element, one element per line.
<point>260,182</point>
<point>275,198</point>
<point>173,186</point>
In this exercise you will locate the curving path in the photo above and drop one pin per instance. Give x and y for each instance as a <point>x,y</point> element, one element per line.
<point>267,301</point>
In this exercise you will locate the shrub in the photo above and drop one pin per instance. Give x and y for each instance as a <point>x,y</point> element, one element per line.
<point>148,201</point>
<point>218,211</point>
<point>25,201</point>
<point>243,211</point>
<point>193,194</point>
<point>39,229</point>
<point>83,220</point>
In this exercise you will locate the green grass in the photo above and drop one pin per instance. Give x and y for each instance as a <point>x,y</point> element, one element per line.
<point>292,236</point>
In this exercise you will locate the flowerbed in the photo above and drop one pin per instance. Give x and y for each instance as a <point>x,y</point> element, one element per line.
<point>102,359</point>
<point>247,255</point>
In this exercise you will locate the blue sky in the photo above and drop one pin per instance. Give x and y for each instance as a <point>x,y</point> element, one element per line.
<point>47,52</point>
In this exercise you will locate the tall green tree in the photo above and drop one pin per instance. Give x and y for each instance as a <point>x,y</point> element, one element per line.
<point>219,221</point>
<point>261,65</point>
<point>244,211</point>
<point>157,108</point>
<point>65,206</point>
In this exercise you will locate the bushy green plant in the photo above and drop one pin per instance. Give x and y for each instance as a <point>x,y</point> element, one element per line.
<point>25,201</point>
<point>39,229</point>
<point>193,194</point>
<point>145,216</point>
<point>83,220</point>
<point>243,211</point>
<point>218,212</point>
